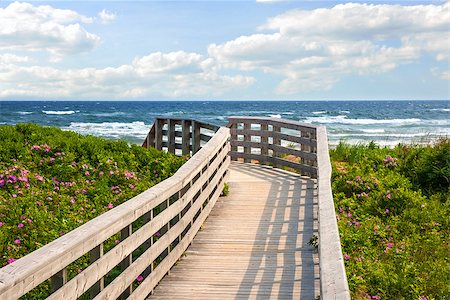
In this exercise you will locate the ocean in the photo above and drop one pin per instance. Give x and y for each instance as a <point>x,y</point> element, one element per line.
<point>384,122</point>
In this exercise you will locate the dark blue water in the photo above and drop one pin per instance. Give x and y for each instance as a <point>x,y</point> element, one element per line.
<point>385,122</point>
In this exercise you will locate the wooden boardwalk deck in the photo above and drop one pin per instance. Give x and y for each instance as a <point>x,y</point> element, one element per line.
<point>254,244</point>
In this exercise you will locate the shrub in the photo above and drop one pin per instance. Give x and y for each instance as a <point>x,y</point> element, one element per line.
<point>392,210</point>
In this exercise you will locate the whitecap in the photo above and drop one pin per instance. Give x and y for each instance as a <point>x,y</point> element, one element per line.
<point>344,120</point>
<point>111,129</point>
<point>23,113</point>
<point>441,109</point>
<point>59,112</point>
<point>344,111</point>
<point>373,130</point>
<point>277,116</point>
<point>321,112</point>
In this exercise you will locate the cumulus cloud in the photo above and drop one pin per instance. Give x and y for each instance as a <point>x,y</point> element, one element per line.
<point>8,58</point>
<point>106,17</point>
<point>157,75</point>
<point>312,49</point>
<point>26,27</point>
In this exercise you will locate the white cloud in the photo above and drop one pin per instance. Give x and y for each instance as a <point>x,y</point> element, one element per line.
<point>313,49</point>
<point>26,27</point>
<point>157,75</point>
<point>8,58</point>
<point>106,17</point>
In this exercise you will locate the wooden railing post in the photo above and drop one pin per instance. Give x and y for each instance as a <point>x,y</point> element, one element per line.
<point>186,137</point>
<point>124,233</point>
<point>264,140</point>
<point>195,137</point>
<point>247,138</point>
<point>171,136</point>
<point>276,141</point>
<point>94,255</point>
<point>59,279</point>
<point>233,139</point>
<point>159,123</point>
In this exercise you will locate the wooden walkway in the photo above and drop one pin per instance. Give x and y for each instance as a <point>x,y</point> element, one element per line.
<point>254,244</point>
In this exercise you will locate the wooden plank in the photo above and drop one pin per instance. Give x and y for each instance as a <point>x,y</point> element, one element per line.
<point>186,137</point>
<point>279,149</point>
<point>171,136</point>
<point>281,136</point>
<point>332,269</point>
<point>289,124</point>
<point>159,123</point>
<point>257,261</point>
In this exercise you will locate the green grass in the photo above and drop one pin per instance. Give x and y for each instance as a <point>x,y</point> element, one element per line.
<point>393,208</point>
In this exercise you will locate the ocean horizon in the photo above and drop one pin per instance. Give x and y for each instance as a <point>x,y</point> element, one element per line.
<point>385,122</point>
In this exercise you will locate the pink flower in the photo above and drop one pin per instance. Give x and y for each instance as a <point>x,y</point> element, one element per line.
<point>140,278</point>
<point>388,196</point>
<point>72,201</point>
<point>87,173</point>
<point>100,174</point>
<point>389,245</point>
<point>110,205</point>
<point>20,225</point>
<point>2,182</point>
<point>1,224</point>
<point>386,211</point>
<point>17,241</point>
<point>27,185</point>
<point>423,298</point>
<point>40,178</point>
<point>11,260</point>
<point>346,256</point>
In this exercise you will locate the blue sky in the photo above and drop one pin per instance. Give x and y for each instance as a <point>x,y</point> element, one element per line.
<point>156,50</point>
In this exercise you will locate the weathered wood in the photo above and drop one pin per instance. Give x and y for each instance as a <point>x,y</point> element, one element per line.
<point>171,136</point>
<point>96,254</point>
<point>247,138</point>
<point>59,279</point>
<point>186,137</point>
<point>195,136</point>
<point>249,261</point>
<point>158,133</point>
<point>279,149</point>
<point>332,270</point>
<point>279,135</point>
<point>288,124</point>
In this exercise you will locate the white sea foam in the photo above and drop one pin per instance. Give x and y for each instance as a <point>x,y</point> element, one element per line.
<point>277,116</point>
<point>137,129</point>
<point>59,112</point>
<point>373,130</point>
<point>344,120</point>
<point>319,112</point>
<point>287,113</point>
<point>344,111</point>
<point>23,113</point>
<point>441,109</point>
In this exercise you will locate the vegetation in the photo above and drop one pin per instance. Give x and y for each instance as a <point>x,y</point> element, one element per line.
<point>52,181</point>
<point>393,208</point>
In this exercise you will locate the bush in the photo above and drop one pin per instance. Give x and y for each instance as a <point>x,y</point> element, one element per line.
<point>392,210</point>
<point>52,181</point>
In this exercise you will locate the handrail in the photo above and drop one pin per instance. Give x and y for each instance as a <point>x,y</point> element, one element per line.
<point>174,209</point>
<point>174,134</point>
<point>263,140</point>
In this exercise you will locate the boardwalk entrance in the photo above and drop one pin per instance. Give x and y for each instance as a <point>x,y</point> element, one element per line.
<point>254,242</point>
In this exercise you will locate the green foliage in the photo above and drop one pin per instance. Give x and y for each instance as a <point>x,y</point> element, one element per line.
<point>52,181</point>
<point>226,189</point>
<point>392,210</point>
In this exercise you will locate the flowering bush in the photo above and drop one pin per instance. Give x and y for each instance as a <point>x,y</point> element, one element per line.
<point>52,181</point>
<point>394,224</point>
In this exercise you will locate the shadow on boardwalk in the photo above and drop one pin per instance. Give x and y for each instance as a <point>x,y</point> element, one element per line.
<point>254,244</point>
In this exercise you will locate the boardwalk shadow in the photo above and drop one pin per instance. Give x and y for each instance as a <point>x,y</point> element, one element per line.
<point>281,263</point>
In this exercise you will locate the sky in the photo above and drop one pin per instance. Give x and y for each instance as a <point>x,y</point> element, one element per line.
<point>224,50</point>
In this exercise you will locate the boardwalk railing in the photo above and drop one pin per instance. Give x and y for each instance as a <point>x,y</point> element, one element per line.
<point>158,225</point>
<point>179,136</point>
<point>304,148</point>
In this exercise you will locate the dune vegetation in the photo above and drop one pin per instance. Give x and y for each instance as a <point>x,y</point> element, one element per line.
<point>52,181</point>
<point>393,208</point>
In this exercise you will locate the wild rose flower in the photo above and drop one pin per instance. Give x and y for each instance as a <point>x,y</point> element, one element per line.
<point>388,196</point>
<point>11,260</point>
<point>386,211</point>
<point>39,178</point>
<point>140,278</point>
<point>100,174</point>
<point>389,245</point>
<point>1,224</point>
<point>110,205</point>
<point>2,182</point>
<point>20,225</point>
<point>23,179</point>
<point>17,241</point>
<point>346,256</point>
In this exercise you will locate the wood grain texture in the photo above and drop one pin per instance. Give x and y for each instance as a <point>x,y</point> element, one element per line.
<point>254,242</point>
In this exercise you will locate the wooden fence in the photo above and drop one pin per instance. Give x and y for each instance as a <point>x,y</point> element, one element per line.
<point>304,148</point>
<point>179,136</point>
<point>158,225</point>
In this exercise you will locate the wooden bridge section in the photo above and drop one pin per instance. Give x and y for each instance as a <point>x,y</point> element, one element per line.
<point>252,245</point>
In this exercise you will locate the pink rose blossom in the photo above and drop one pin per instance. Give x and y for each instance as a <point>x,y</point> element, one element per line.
<point>17,241</point>
<point>20,225</point>
<point>110,205</point>
<point>140,278</point>
<point>11,260</point>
